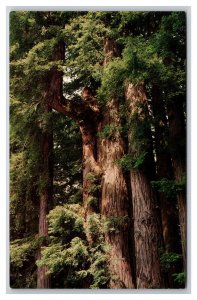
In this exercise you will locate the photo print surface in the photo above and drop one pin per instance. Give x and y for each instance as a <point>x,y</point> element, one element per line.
<point>97,149</point>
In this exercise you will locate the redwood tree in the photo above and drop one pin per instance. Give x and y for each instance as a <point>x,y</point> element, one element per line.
<point>147,233</point>
<point>45,193</point>
<point>167,200</point>
<point>114,197</point>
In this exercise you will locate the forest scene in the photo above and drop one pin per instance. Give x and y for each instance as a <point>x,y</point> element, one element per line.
<point>97,149</point>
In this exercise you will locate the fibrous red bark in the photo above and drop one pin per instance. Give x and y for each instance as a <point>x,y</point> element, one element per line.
<point>114,199</point>
<point>46,179</point>
<point>168,205</point>
<point>146,228</point>
<point>178,152</point>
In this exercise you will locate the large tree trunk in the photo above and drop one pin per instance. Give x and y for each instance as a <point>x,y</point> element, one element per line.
<point>147,235</point>
<point>46,179</point>
<point>178,152</point>
<point>114,199</point>
<point>114,203</point>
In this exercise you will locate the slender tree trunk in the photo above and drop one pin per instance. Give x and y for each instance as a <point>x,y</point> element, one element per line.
<point>168,206</point>
<point>53,90</point>
<point>178,152</point>
<point>52,95</point>
<point>43,279</point>
<point>46,178</point>
<point>147,235</point>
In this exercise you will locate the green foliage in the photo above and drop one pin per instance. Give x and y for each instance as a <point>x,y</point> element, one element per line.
<point>69,253</point>
<point>67,161</point>
<point>169,262</point>
<point>112,80</point>
<point>127,162</point>
<point>53,257</point>
<point>23,194</point>
<point>94,227</point>
<point>65,221</point>
<point>93,189</point>
<point>169,259</point>
<point>56,257</point>
<point>20,250</point>
<point>140,140</point>
<point>77,253</point>
<point>93,178</point>
<point>114,224</point>
<point>85,49</point>
<point>92,201</point>
<point>99,271</point>
<point>24,249</point>
<point>169,187</point>
<point>22,262</point>
<point>180,278</point>
<point>107,132</point>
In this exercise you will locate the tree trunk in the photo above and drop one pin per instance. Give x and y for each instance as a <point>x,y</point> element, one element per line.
<point>90,166</point>
<point>178,152</point>
<point>88,124</point>
<point>114,199</point>
<point>43,279</point>
<point>147,235</point>
<point>46,179</point>
<point>114,203</point>
<point>91,170</point>
<point>168,206</point>
<point>53,90</point>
